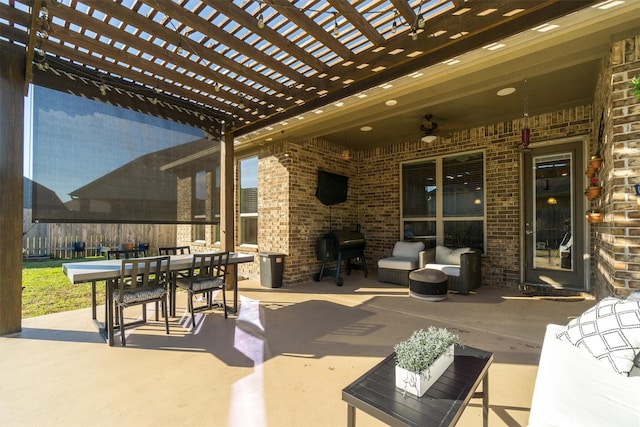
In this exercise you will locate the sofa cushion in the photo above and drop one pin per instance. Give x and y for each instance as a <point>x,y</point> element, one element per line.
<point>407,249</point>
<point>572,388</point>
<point>449,256</point>
<point>449,270</point>
<point>398,263</point>
<point>609,331</point>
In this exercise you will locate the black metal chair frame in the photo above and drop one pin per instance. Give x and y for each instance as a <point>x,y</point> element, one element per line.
<point>208,272</point>
<point>174,250</point>
<point>142,281</point>
<point>126,254</point>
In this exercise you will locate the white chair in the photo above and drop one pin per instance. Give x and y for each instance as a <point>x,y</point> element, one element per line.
<point>403,260</point>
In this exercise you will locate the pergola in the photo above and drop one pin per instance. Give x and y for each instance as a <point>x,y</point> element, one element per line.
<point>227,67</point>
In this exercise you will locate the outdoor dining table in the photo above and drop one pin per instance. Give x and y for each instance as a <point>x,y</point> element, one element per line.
<point>109,270</point>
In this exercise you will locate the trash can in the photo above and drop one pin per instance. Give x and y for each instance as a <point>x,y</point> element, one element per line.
<point>271,269</point>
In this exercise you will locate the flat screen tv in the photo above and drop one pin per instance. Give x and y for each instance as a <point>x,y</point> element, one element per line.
<point>332,188</point>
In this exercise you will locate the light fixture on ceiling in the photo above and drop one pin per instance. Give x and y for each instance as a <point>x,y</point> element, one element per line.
<point>429,129</point>
<point>427,139</point>
<point>260,20</point>
<point>419,18</point>
<point>394,26</point>
<point>41,59</point>
<point>552,201</point>
<point>44,12</point>
<point>336,30</point>
<point>506,91</point>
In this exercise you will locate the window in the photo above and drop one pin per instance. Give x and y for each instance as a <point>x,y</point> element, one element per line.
<point>248,172</point>
<point>454,216</point>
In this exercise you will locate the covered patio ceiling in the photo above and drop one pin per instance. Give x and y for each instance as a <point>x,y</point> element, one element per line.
<point>251,64</point>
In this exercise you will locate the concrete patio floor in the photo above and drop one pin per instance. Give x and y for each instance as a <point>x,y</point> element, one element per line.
<point>282,361</point>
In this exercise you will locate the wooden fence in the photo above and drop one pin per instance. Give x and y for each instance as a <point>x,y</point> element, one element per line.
<point>57,240</point>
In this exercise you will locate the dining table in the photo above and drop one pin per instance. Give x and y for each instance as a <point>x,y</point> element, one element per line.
<point>109,270</point>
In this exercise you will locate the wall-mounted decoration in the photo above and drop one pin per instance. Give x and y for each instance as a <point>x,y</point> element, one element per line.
<point>594,215</point>
<point>635,87</point>
<point>594,189</point>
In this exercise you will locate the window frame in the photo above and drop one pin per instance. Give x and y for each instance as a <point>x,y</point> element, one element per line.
<point>246,215</point>
<point>439,217</point>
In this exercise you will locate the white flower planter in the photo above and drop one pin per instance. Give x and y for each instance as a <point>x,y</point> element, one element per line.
<point>418,383</point>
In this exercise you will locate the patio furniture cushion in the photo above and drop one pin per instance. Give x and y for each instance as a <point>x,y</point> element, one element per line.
<point>448,256</point>
<point>463,266</point>
<point>573,388</point>
<point>407,249</point>
<point>449,270</point>
<point>608,331</point>
<point>398,263</point>
<point>404,258</point>
<point>146,294</point>
<point>200,285</point>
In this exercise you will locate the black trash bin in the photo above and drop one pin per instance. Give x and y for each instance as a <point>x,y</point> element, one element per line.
<point>271,269</point>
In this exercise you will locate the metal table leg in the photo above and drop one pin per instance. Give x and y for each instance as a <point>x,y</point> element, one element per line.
<point>351,416</point>
<point>485,401</point>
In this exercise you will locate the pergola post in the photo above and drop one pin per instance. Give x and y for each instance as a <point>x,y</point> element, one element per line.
<point>12,90</point>
<point>227,203</point>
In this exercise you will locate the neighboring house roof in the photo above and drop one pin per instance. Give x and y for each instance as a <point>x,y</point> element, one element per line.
<point>148,176</point>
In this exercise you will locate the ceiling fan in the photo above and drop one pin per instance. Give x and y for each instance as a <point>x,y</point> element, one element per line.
<point>429,129</point>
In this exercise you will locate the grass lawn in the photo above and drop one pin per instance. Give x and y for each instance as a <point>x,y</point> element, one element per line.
<point>47,290</point>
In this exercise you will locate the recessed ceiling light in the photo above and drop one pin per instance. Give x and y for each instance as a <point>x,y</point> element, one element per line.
<point>607,4</point>
<point>506,91</point>
<point>545,27</point>
<point>366,128</point>
<point>391,103</point>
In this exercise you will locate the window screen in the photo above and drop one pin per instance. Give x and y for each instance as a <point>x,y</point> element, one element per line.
<point>94,162</point>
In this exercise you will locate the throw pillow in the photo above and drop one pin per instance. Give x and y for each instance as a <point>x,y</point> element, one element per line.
<point>609,331</point>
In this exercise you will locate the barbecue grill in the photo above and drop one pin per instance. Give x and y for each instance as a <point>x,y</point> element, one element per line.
<point>340,246</point>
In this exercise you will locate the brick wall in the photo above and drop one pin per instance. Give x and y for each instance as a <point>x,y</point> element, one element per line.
<point>291,218</point>
<point>615,243</point>
<point>380,183</point>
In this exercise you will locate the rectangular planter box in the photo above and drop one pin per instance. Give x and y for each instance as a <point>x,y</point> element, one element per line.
<point>418,384</point>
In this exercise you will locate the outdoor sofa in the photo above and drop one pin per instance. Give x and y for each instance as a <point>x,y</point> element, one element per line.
<point>589,371</point>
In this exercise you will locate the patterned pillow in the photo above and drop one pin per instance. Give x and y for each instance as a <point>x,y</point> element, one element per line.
<point>609,331</point>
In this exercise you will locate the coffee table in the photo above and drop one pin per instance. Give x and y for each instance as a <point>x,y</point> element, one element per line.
<point>376,394</point>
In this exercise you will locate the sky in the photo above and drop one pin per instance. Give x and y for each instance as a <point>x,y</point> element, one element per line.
<point>74,140</point>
